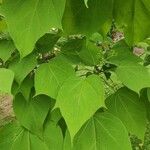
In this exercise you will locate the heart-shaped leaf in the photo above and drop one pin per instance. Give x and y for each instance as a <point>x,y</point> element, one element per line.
<point>78,99</point>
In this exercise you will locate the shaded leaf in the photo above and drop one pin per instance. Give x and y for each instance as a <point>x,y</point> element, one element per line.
<point>47,42</point>
<point>90,54</point>
<point>126,105</point>
<point>133,15</point>
<point>53,136</point>
<point>67,145</point>
<point>14,137</point>
<point>102,132</point>
<point>32,114</point>
<point>71,48</point>
<point>23,67</point>
<point>28,141</point>
<point>3,25</point>
<point>8,134</point>
<point>148,94</point>
<point>78,19</point>
<point>26,87</point>
<point>55,115</point>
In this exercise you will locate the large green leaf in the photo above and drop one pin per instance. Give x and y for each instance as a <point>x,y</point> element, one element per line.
<point>23,67</point>
<point>14,137</point>
<point>134,76</point>
<point>6,80</point>
<point>6,49</point>
<point>50,76</point>
<point>126,105</point>
<point>102,132</point>
<point>32,114</point>
<point>29,20</point>
<point>78,99</point>
<point>134,16</point>
<point>129,71</point>
<point>122,54</point>
<point>80,19</point>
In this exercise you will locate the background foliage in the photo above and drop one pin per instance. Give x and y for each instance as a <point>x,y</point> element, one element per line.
<point>79,74</point>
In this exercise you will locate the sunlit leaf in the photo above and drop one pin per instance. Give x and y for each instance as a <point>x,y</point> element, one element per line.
<point>53,75</point>
<point>78,99</point>
<point>29,20</point>
<point>102,132</point>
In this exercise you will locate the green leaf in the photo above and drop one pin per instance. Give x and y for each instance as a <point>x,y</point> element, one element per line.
<point>23,67</point>
<point>3,25</point>
<point>80,51</point>
<point>71,48</point>
<point>122,54</point>
<point>86,1</point>
<point>73,45</point>
<point>78,19</point>
<point>6,80</point>
<point>134,76</point>
<point>102,132</point>
<point>14,137</point>
<point>55,115</point>
<point>29,20</point>
<point>26,87</point>
<point>96,38</point>
<point>129,71</point>
<point>126,105</point>
<point>133,15</point>
<point>78,99</point>
<point>6,49</point>
<point>90,54</point>
<point>50,76</point>
<point>144,98</point>
<point>8,134</point>
<point>32,114</point>
<point>28,141</point>
<point>46,43</point>
<point>53,136</point>
<point>67,145</point>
